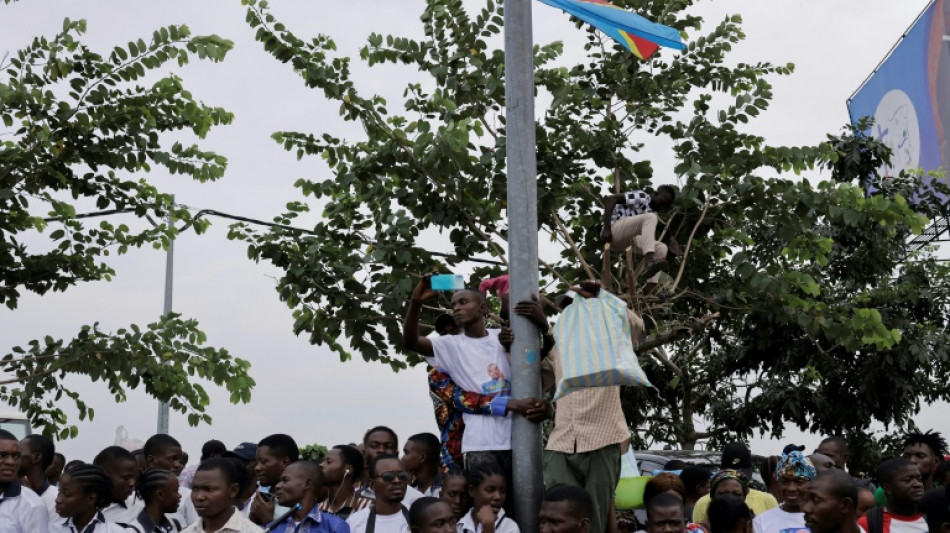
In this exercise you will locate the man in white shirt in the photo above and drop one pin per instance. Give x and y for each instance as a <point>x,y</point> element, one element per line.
<point>37,453</point>
<point>382,440</point>
<point>421,459</point>
<point>389,514</point>
<point>163,451</point>
<point>21,510</point>
<point>213,491</point>
<point>120,465</point>
<point>476,361</point>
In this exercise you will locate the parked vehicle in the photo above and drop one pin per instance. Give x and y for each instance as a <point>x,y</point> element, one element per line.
<point>15,423</point>
<point>650,461</point>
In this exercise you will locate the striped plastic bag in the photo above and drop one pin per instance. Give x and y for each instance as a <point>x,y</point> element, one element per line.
<point>594,346</point>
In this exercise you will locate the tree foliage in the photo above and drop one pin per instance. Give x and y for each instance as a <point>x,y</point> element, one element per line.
<point>313,452</point>
<point>76,130</point>
<point>821,305</point>
<point>165,359</point>
<point>799,282</point>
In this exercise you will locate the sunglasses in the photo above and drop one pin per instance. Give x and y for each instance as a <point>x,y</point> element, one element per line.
<point>391,476</point>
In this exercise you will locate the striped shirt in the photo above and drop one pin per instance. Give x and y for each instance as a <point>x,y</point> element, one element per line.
<point>354,503</point>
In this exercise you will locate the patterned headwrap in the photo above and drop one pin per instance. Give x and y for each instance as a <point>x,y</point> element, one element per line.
<point>725,474</point>
<point>794,464</point>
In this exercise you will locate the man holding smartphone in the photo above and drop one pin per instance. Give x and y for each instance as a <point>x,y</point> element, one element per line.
<point>476,361</point>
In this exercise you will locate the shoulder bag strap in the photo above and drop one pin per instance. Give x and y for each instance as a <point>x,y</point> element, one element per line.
<point>876,520</point>
<point>371,521</point>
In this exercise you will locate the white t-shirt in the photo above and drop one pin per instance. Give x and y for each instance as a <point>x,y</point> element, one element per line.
<point>503,524</point>
<point>779,521</point>
<point>478,365</point>
<point>394,523</point>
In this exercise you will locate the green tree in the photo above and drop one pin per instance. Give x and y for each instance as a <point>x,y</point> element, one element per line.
<point>780,275</point>
<point>76,130</point>
<point>313,452</point>
<point>822,304</point>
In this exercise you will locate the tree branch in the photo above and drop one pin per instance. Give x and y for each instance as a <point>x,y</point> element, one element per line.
<point>631,275</point>
<point>31,377</point>
<point>573,245</point>
<point>554,272</point>
<point>660,354</point>
<point>679,275</point>
<point>691,352</point>
<point>677,333</point>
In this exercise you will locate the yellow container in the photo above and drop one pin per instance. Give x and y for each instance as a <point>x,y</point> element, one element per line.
<point>629,493</point>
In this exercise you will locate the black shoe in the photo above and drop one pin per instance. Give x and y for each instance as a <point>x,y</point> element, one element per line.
<point>654,266</point>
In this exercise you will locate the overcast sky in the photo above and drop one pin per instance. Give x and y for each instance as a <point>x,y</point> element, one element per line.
<point>302,389</point>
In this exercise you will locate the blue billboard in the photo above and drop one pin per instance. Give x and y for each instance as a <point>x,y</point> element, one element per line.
<point>908,95</point>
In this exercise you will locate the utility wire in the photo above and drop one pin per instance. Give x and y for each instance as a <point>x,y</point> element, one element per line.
<point>257,222</point>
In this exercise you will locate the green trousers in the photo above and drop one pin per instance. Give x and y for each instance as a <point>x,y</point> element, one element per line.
<point>597,471</point>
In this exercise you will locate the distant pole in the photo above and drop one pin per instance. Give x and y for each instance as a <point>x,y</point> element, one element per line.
<point>523,254</point>
<point>169,282</point>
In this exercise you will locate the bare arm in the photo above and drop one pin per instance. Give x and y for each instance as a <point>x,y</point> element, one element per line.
<point>411,340</point>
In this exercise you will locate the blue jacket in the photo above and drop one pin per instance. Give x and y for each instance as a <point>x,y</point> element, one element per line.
<point>315,522</point>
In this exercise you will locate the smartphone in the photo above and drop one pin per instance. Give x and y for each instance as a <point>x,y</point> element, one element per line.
<point>267,496</point>
<point>447,282</point>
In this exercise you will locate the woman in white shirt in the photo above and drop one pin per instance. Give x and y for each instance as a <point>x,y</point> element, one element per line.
<point>794,472</point>
<point>83,491</point>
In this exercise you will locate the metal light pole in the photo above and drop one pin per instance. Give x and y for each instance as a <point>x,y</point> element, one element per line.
<point>523,254</point>
<point>169,281</point>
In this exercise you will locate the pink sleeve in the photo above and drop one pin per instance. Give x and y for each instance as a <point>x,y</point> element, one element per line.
<point>500,285</point>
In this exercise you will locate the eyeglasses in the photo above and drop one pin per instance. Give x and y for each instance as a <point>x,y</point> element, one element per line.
<point>391,476</point>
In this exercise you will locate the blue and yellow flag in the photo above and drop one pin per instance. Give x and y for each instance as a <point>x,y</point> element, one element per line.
<point>639,35</point>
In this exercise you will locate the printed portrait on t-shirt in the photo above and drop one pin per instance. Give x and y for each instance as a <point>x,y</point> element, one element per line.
<point>499,384</point>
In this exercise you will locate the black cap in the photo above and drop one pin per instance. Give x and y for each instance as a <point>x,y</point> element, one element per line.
<point>736,456</point>
<point>792,448</point>
<point>246,451</point>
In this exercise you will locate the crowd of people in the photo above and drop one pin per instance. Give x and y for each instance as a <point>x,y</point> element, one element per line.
<point>367,487</point>
<point>461,480</point>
